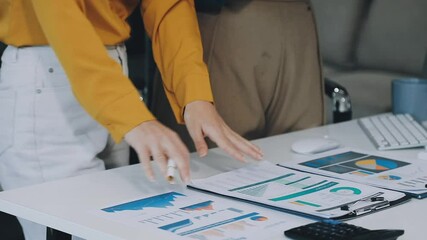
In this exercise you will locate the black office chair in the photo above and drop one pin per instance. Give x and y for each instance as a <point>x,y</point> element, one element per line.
<point>425,67</point>
<point>2,48</point>
<point>341,102</point>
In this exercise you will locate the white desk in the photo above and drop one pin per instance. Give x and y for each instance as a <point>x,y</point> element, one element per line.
<point>66,205</point>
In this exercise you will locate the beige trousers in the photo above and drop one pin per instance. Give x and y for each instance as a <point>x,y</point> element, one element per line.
<point>264,66</point>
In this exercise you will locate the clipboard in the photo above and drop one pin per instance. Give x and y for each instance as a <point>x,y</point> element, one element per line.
<point>300,193</point>
<point>375,205</point>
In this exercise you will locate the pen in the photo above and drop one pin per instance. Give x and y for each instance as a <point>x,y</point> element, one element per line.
<point>373,198</point>
<point>171,171</point>
<point>373,207</point>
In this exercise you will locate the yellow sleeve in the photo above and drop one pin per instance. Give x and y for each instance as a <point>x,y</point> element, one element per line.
<point>97,81</point>
<point>177,49</point>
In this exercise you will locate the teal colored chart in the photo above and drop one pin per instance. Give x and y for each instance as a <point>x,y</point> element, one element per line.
<point>160,201</point>
<point>346,191</point>
<point>257,191</point>
<point>305,192</point>
<point>302,203</point>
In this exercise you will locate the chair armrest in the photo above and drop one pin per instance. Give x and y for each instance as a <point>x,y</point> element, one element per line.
<point>425,67</point>
<point>53,234</point>
<point>2,48</point>
<point>342,109</point>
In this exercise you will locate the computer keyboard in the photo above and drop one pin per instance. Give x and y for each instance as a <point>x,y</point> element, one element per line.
<point>389,131</point>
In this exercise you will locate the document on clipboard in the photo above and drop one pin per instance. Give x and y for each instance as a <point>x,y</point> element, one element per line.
<point>395,174</point>
<point>297,192</point>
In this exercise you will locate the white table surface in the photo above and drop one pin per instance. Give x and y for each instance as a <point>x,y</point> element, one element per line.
<point>67,204</point>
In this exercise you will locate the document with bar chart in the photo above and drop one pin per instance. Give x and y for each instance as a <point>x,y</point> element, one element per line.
<point>199,216</point>
<point>298,192</point>
<point>409,176</point>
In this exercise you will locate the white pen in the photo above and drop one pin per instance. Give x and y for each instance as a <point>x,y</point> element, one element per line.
<point>171,171</point>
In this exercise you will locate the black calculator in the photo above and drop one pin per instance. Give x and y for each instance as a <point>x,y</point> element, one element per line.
<point>335,230</point>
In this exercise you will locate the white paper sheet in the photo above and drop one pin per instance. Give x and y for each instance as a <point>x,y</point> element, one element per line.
<point>358,166</point>
<point>200,216</point>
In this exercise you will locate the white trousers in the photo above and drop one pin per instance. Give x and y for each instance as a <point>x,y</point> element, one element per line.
<point>44,132</point>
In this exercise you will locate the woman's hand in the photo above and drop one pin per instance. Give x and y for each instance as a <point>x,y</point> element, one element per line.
<point>153,140</point>
<point>202,120</point>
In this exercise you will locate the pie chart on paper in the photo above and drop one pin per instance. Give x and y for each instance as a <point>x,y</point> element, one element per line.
<point>376,164</point>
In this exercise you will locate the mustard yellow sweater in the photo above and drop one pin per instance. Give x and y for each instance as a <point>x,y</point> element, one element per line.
<point>78,31</point>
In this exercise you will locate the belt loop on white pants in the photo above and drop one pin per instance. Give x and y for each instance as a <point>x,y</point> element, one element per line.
<point>118,53</point>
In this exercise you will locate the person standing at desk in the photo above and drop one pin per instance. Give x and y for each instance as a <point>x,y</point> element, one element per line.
<point>264,64</point>
<point>62,53</point>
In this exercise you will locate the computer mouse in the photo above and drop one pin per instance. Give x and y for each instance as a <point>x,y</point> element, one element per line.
<point>314,145</point>
<point>423,154</point>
